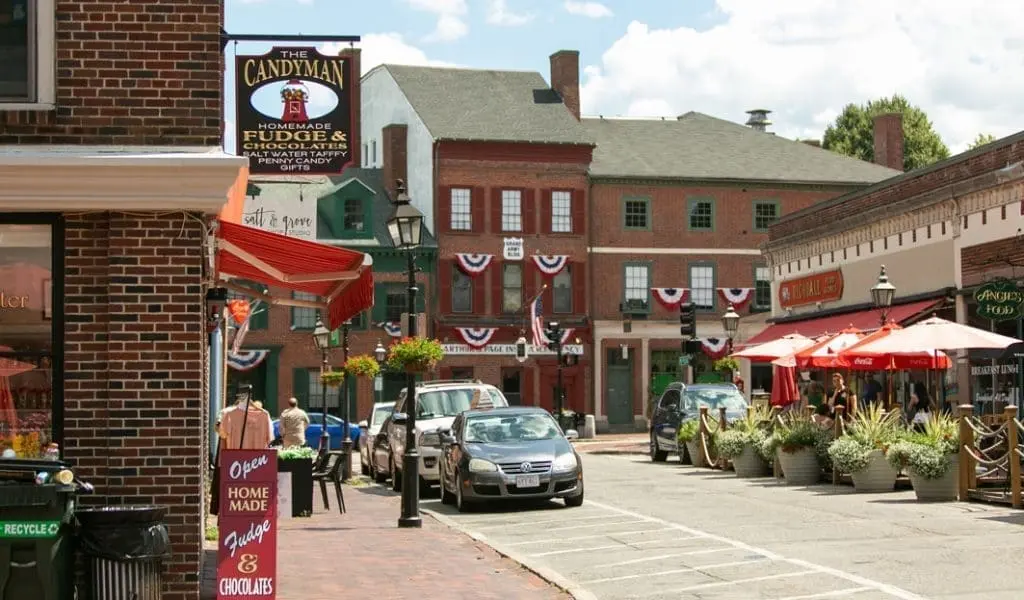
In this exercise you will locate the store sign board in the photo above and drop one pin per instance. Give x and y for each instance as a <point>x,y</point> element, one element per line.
<point>513,249</point>
<point>508,349</point>
<point>1000,301</point>
<point>820,287</point>
<point>247,551</point>
<point>1007,369</point>
<point>295,111</point>
<point>282,214</point>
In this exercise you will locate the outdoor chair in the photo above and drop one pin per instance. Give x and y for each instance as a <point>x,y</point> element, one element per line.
<point>331,473</point>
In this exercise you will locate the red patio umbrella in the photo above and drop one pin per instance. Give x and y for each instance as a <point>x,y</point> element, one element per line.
<point>823,354</point>
<point>769,351</point>
<point>860,358</point>
<point>784,389</point>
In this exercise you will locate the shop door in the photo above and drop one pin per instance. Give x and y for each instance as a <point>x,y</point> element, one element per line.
<point>620,388</point>
<point>665,369</point>
<point>256,377</point>
<point>512,385</point>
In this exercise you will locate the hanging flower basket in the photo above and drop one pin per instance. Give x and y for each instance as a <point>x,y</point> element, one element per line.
<point>332,379</point>
<point>415,355</point>
<point>362,365</point>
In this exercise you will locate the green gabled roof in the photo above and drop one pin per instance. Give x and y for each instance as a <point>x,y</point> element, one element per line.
<point>700,147</point>
<point>491,106</point>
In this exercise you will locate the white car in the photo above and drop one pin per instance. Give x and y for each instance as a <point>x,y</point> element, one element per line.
<point>437,404</point>
<point>371,427</point>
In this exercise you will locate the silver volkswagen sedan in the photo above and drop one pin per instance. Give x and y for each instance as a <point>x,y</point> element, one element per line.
<point>508,453</point>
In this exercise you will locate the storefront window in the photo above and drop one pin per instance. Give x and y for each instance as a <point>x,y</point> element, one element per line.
<point>997,376</point>
<point>26,348</point>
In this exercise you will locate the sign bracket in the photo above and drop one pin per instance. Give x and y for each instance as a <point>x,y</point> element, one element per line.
<point>226,37</point>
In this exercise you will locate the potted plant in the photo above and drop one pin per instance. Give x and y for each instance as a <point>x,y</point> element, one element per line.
<point>332,379</point>
<point>795,443</point>
<point>743,443</point>
<point>930,458</point>
<point>861,450</point>
<point>362,365</point>
<point>686,437</point>
<point>299,462</point>
<point>415,355</point>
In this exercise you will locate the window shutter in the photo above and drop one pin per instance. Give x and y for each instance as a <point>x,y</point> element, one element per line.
<point>495,274</point>
<point>260,320</point>
<point>444,209</point>
<point>530,285</point>
<point>495,210</point>
<point>545,211</point>
<point>480,291</point>
<point>380,303</point>
<point>300,386</point>
<point>444,285</point>
<point>478,208</point>
<point>578,215</point>
<point>529,211</point>
<point>579,288</point>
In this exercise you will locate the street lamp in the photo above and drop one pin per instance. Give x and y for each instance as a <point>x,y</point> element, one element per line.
<point>346,434</point>
<point>554,334</point>
<point>380,353</point>
<point>882,295</point>
<point>322,339</point>
<point>405,226</point>
<point>731,324</point>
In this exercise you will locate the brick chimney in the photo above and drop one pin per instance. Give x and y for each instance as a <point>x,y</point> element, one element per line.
<point>565,79</point>
<point>396,159</point>
<point>889,140</point>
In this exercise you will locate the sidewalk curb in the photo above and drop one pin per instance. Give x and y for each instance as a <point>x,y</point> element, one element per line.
<point>541,571</point>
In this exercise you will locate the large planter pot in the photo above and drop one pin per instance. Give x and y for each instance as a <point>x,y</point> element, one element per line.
<point>800,467</point>
<point>302,484</point>
<point>696,454</point>
<point>943,489</point>
<point>878,476</point>
<point>749,463</point>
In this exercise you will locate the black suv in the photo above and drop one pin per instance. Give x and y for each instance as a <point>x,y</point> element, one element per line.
<point>681,402</point>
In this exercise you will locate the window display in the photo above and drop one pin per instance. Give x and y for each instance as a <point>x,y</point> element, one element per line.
<point>26,348</point>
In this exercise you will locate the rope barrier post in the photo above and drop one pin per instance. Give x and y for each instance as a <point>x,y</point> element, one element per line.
<point>776,467</point>
<point>966,463</point>
<point>723,423</point>
<point>702,435</point>
<point>1012,437</point>
<point>837,432</point>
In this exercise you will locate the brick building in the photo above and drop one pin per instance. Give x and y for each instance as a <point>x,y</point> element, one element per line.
<point>494,158</point>
<point>686,204</point>
<point>110,127</point>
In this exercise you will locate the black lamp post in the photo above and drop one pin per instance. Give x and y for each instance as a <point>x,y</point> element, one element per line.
<point>322,339</point>
<point>346,434</point>
<point>554,333</point>
<point>731,324</point>
<point>380,353</point>
<point>882,295</point>
<point>405,227</point>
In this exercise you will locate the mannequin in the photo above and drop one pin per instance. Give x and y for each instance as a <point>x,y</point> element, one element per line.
<point>246,425</point>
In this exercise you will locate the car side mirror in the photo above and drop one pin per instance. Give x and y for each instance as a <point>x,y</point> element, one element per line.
<point>447,438</point>
<point>399,418</point>
<point>572,434</point>
<point>363,424</point>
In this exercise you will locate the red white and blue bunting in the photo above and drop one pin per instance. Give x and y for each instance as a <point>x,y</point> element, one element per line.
<point>392,329</point>
<point>550,265</point>
<point>565,336</point>
<point>247,360</point>
<point>474,264</point>
<point>670,298</point>
<point>738,297</point>
<point>476,337</point>
<point>715,348</point>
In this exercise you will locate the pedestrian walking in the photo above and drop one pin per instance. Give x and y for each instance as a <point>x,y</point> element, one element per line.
<point>294,422</point>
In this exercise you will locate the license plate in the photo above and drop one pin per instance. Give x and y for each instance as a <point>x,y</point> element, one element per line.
<point>527,481</point>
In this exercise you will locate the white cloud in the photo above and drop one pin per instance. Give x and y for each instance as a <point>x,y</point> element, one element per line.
<point>386,48</point>
<point>594,10</point>
<point>451,18</point>
<point>960,61</point>
<point>499,14</point>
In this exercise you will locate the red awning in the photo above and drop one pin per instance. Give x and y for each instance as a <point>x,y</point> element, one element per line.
<point>864,320</point>
<point>342,277</point>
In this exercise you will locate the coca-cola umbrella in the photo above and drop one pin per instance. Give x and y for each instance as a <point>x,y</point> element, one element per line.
<point>858,358</point>
<point>823,354</point>
<point>934,334</point>
<point>777,348</point>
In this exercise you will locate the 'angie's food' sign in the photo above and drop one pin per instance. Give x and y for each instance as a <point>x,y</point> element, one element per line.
<point>247,554</point>
<point>1000,301</point>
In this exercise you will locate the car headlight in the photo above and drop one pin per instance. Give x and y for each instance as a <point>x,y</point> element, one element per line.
<point>430,439</point>
<point>564,463</point>
<point>479,465</point>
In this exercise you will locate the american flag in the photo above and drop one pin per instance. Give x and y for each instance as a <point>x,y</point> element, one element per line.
<point>537,322</point>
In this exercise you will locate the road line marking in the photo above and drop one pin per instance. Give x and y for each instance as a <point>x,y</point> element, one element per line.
<point>675,571</point>
<point>675,539</point>
<point>592,537</point>
<point>573,550</point>
<point>542,522</point>
<point>704,586</point>
<point>594,525</point>
<point>661,557</point>
<point>857,579</point>
<point>832,594</point>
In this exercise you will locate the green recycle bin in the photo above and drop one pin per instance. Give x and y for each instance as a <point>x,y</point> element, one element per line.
<point>36,532</point>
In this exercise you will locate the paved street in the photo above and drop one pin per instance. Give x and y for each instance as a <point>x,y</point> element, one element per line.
<point>663,531</point>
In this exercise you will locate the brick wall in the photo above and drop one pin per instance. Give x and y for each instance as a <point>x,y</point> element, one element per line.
<point>135,412</point>
<point>131,73</point>
<point>984,262</point>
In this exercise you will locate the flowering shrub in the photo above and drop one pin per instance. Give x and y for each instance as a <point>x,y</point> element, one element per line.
<point>295,453</point>
<point>871,429</point>
<point>731,442</point>
<point>362,365</point>
<point>849,455</point>
<point>687,432</point>
<point>332,378</point>
<point>419,354</point>
<point>927,454</point>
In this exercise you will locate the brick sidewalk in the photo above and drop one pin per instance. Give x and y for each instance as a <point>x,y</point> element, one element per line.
<point>615,443</point>
<point>363,554</point>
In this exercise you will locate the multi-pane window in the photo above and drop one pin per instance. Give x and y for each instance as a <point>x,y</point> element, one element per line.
<point>511,210</point>
<point>702,215</point>
<point>462,292</point>
<point>702,286</point>
<point>316,388</point>
<point>634,213</point>
<point>637,286</point>
<point>17,42</point>
<point>512,288</point>
<point>461,215</point>
<point>561,291</point>
<point>561,212</point>
<point>766,212</point>
<point>762,288</point>
<point>304,318</point>
<point>354,217</point>
<point>395,303</point>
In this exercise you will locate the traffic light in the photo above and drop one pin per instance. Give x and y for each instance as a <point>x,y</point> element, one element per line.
<point>688,320</point>
<point>691,347</point>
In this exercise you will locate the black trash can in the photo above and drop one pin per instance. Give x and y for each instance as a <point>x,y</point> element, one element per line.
<point>36,529</point>
<point>124,547</point>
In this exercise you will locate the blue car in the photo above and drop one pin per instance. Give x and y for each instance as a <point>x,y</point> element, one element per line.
<point>334,429</point>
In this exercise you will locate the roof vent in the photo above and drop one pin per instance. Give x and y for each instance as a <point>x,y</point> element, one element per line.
<point>759,119</point>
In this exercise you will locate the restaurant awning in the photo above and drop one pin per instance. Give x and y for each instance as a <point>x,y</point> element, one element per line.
<point>342,278</point>
<point>864,320</point>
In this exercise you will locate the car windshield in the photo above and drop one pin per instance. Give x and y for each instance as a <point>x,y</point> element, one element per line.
<point>380,413</point>
<point>713,398</point>
<point>317,418</point>
<point>452,402</point>
<point>498,428</point>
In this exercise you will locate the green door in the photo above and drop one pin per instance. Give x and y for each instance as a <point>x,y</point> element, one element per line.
<point>620,389</point>
<point>665,369</point>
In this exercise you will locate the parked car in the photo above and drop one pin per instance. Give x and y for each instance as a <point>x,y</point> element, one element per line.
<point>369,430</point>
<point>508,453</point>
<point>438,402</point>
<point>334,429</point>
<point>380,451</point>
<point>680,403</point>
